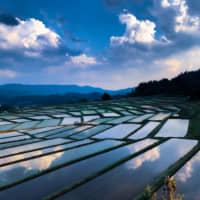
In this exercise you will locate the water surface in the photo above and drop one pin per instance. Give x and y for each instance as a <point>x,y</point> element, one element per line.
<point>130,178</point>
<point>68,175</point>
<point>118,132</point>
<point>174,128</point>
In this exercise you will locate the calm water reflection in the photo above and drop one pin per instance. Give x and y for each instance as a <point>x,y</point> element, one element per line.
<point>187,179</point>
<point>15,172</point>
<point>92,131</point>
<point>144,131</point>
<point>34,189</point>
<point>174,128</point>
<point>118,132</point>
<point>130,178</point>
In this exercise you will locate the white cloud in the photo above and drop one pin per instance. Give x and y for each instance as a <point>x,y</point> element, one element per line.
<point>136,31</point>
<point>83,60</point>
<point>35,164</point>
<point>184,21</point>
<point>30,34</point>
<point>7,73</point>
<point>151,155</point>
<point>180,62</point>
<point>188,170</point>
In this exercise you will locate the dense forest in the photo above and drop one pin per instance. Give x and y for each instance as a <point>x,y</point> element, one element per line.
<point>187,84</point>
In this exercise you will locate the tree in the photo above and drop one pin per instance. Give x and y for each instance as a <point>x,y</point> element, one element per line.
<point>106,97</point>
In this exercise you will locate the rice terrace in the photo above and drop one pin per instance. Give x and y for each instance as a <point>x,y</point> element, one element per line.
<point>100,100</point>
<point>118,149</point>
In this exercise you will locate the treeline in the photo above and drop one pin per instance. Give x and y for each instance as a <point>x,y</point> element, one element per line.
<point>187,84</point>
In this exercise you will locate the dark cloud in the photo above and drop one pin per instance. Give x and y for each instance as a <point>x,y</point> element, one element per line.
<point>8,19</point>
<point>142,55</point>
<point>194,7</point>
<point>165,18</point>
<point>33,59</point>
<point>69,34</point>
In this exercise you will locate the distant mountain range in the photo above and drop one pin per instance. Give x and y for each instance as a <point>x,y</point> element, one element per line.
<point>17,90</point>
<point>30,95</point>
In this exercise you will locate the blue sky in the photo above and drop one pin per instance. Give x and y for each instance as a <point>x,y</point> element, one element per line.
<point>111,44</point>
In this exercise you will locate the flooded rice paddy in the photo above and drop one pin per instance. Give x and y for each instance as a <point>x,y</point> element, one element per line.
<point>102,150</point>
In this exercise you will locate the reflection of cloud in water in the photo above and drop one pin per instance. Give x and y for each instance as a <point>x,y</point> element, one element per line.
<point>150,155</point>
<point>186,172</point>
<point>40,163</point>
<point>15,172</point>
<point>140,145</point>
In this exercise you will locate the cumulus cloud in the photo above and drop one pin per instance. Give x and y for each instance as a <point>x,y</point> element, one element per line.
<point>145,41</point>
<point>30,34</point>
<point>28,45</point>
<point>83,60</point>
<point>163,43</point>
<point>31,39</point>
<point>136,31</point>
<point>174,18</point>
<point>183,20</point>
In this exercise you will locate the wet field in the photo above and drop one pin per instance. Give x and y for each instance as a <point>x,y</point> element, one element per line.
<point>101,150</point>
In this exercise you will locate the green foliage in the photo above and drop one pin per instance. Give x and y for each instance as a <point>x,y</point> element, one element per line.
<point>187,84</point>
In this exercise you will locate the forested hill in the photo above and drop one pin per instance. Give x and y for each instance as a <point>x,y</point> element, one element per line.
<point>187,84</point>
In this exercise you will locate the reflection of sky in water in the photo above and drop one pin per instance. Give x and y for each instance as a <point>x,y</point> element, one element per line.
<point>160,116</point>
<point>187,179</point>
<point>22,142</point>
<point>10,134</point>
<point>27,125</point>
<point>120,119</point>
<point>70,120</point>
<point>54,131</point>
<point>39,152</point>
<point>68,175</point>
<point>144,131</point>
<point>141,118</point>
<point>39,164</point>
<point>90,132</point>
<point>10,139</point>
<point>36,131</point>
<point>69,132</point>
<point>124,181</point>
<point>101,120</point>
<point>110,114</point>
<point>119,131</point>
<point>18,171</point>
<point>91,117</point>
<point>22,148</point>
<point>48,122</point>
<point>148,156</point>
<point>174,128</point>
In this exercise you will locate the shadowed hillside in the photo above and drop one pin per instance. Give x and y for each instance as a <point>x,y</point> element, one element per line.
<point>187,84</point>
